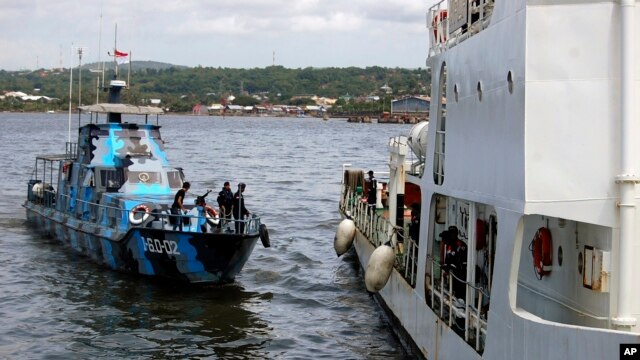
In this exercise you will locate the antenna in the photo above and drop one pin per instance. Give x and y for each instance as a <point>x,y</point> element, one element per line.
<point>81,50</point>
<point>99,51</point>
<point>70,90</point>
<point>274,58</point>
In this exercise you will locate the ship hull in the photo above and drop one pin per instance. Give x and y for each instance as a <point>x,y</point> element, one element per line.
<point>172,255</point>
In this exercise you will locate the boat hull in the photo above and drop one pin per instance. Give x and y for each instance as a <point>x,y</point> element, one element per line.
<point>173,255</point>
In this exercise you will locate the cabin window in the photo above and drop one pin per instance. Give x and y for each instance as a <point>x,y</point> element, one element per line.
<point>111,179</point>
<point>175,180</point>
<point>441,125</point>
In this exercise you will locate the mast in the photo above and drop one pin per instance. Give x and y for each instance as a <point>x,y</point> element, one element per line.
<point>99,50</point>
<point>115,48</point>
<point>70,90</point>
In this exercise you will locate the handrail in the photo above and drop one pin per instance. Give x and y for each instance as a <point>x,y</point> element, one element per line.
<point>441,37</point>
<point>472,314</point>
<point>99,214</point>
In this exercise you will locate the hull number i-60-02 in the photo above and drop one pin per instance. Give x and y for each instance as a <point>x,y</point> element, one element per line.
<point>159,246</point>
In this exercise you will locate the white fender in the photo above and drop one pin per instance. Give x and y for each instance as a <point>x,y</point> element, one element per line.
<point>379,268</point>
<point>38,190</point>
<point>344,236</point>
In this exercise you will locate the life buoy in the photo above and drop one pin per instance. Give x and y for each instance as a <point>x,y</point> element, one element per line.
<point>65,167</point>
<point>264,236</point>
<point>139,209</point>
<point>439,17</point>
<point>540,248</point>
<point>211,215</point>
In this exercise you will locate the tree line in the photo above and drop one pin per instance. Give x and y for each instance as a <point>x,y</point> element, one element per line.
<point>179,88</point>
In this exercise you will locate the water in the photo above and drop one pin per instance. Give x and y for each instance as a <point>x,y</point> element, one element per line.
<point>294,300</point>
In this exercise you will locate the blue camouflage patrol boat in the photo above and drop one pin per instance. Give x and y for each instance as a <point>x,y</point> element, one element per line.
<point>109,197</point>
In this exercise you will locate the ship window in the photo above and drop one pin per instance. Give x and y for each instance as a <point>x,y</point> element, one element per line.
<point>175,180</point>
<point>441,125</point>
<point>111,179</point>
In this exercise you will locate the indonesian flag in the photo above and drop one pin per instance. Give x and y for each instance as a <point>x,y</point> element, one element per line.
<point>121,57</point>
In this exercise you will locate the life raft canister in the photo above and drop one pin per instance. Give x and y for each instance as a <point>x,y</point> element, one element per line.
<point>541,249</point>
<point>139,209</point>
<point>211,215</point>
<point>439,17</point>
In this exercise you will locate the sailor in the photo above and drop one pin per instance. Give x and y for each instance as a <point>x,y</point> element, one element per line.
<point>455,260</point>
<point>372,185</point>
<point>225,202</point>
<point>177,208</point>
<point>414,226</point>
<point>239,211</point>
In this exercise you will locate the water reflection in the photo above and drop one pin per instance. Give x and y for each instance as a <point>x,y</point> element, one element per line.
<point>294,300</point>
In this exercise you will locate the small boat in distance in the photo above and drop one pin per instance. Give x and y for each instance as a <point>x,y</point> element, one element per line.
<point>109,197</point>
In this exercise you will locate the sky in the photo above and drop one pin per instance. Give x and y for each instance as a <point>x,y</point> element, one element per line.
<point>216,33</point>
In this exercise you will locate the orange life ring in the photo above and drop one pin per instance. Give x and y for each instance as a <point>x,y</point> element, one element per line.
<point>139,209</point>
<point>541,250</point>
<point>211,215</point>
<point>65,167</point>
<point>439,17</point>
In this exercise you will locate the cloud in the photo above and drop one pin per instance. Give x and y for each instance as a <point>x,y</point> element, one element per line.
<point>224,32</point>
<point>339,22</point>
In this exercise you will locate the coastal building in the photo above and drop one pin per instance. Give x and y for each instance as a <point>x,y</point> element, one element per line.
<point>411,104</point>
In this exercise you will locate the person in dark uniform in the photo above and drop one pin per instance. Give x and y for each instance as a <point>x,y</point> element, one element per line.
<point>177,208</point>
<point>239,210</point>
<point>372,185</point>
<point>414,226</point>
<point>225,202</point>
<point>455,260</point>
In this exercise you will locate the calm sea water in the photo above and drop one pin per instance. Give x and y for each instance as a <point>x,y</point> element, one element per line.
<point>294,300</point>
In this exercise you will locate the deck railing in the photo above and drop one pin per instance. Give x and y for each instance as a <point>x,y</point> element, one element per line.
<point>378,230</point>
<point>445,31</point>
<point>117,218</point>
<point>466,316</point>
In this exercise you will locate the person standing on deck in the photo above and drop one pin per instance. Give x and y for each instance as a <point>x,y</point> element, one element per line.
<point>225,202</point>
<point>177,208</point>
<point>372,185</point>
<point>239,210</point>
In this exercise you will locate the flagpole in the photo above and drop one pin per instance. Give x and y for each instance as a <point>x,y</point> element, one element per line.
<point>129,73</point>
<point>115,48</point>
<point>70,90</point>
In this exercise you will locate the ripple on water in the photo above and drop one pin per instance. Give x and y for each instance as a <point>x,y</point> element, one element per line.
<point>294,300</point>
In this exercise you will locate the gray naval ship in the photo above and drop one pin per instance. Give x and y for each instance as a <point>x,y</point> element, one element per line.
<point>109,197</point>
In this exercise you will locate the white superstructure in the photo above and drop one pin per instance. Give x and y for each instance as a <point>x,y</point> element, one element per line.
<point>536,137</point>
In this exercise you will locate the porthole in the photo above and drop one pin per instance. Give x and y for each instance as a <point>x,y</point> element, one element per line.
<point>560,255</point>
<point>455,92</point>
<point>580,263</point>
<point>479,91</point>
<point>510,82</point>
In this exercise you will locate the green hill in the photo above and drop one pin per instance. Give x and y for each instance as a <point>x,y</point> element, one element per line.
<point>181,87</point>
